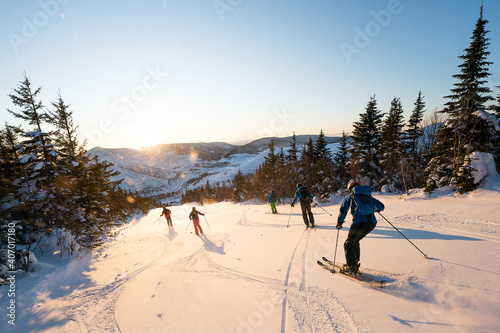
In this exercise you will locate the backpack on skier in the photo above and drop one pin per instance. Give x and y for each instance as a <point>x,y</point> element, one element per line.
<point>362,196</point>
<point>304,194</point>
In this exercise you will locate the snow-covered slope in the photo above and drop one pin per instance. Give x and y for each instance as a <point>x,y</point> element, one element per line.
<point>166,169</point>
<point>250,273</point>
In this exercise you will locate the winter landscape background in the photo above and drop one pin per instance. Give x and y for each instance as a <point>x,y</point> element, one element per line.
<point>165,170</point>
<point>250,273</point>
<point>83,246</point>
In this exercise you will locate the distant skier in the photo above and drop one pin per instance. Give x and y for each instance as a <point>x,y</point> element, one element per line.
<point>363,207</point>
<point>272,200</point>
<point>305,198</point>
<point>167,213</point>
<point>196,220</point>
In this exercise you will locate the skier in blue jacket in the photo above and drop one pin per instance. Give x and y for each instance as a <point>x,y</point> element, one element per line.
<point>363,207</point>
<point>272,200</point>
<point>305,198</point>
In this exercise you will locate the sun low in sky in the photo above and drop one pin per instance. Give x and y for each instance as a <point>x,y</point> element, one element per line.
<point>144,72</point>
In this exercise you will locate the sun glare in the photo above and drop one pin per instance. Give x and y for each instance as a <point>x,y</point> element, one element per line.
<point>147,138</point>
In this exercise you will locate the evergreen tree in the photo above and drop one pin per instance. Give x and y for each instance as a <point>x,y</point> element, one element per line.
<point>239,187</point>
<point>341,164</point>
<point>366,138</point>
<point>322,152</point>
<point>323,183</point>
<point>66,135</point>
<point>414,132</point>
<point>392,148</point>
<point>465,131</point>
<point>293,151</point>
<point>31,110</point>
<point>307,161</point>
<point>38,168</point>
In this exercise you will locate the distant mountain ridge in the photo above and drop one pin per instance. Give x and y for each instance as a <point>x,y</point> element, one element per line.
<point>166,169</point>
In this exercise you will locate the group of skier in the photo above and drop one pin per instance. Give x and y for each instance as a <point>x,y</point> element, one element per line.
<point>362,206</point>
<point>194,216</point>
<point>359,201</point>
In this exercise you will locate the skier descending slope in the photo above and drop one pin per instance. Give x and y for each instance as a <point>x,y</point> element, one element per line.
<point>305,198</point>
<point>363,207</point>
<point>167,213</point>
<point>196,220</point>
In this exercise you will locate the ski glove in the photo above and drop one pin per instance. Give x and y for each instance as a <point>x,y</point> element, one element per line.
<point>293,205</point>
<point>339,226</point>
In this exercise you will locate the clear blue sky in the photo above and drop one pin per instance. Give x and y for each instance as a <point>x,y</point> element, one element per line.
<point>143,72</point>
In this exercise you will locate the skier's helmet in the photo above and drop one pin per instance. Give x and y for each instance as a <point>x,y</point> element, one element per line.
<point>194,208</point>
<point>351,185</point>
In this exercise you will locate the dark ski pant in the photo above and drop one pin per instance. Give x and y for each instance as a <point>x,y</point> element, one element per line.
<point>351,246</point>
<point>306,211</point>
<point>169,220</point>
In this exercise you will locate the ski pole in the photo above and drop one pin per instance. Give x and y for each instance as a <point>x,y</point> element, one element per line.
<point>207,222</point>
<point>188,224</point>
<point>335,255</point>
<point>325,210</point>
<point>289,215</point>
<point>425,256</point>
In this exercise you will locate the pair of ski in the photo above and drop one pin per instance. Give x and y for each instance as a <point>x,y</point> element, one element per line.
<point>329,266</point>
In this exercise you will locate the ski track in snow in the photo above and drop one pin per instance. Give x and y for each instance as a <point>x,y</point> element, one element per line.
<point>83,311</point>
<point>301,304</point>
<point>314,309</point>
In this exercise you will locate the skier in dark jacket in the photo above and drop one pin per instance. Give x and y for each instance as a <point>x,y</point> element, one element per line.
<point>196,220</point>
<point>167,213</point>
<point>363,207</point>
<point>272,200</point>
<point>305,198</point>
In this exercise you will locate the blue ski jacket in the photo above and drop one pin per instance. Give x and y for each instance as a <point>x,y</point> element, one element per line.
<point>298,195</point>
<point>349,202</point>
<point>272,197</point>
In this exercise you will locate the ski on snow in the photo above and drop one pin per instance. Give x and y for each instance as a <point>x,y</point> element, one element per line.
<point>328,265</point>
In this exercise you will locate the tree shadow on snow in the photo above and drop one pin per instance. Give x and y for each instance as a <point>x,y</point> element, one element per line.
<point>60,283</point>
<point>389,232</point>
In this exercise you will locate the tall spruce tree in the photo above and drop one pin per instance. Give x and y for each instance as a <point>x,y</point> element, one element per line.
<point>392,148</point>
<point>240,187</point>
<point>323,183</point>
<point>464,132</point>
<point>414,132</point>
<point>366,138</point>
<point>341,164</point>
<point>66,136</point>
<point>293,151</point>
